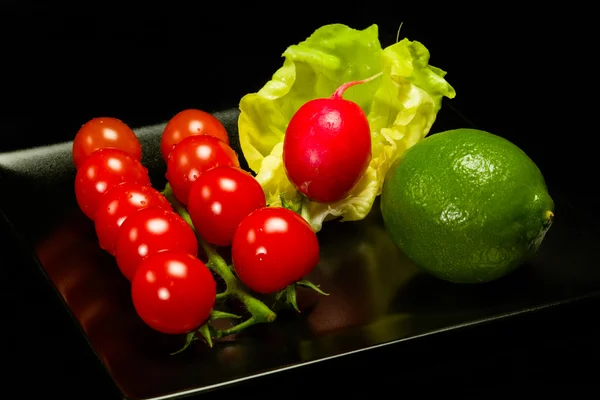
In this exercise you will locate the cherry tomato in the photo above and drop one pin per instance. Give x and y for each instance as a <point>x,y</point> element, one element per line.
<point>104,133</point>
<point>220,199</point>
<point>192,157</point>
<point>120,202</point>
<point>103,170</point>
<point>150,231</point>
<point>190,123</point>
<point>272,248</point>
<point>173,292</point>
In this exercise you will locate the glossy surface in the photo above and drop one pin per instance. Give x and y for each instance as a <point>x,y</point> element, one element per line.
<point>149,231</point>
<point>187,123</point>
<point>466,205</point>
<point>119,203</point>
<point>327,148</point>
<point>102,133</point>
<point>193,156</point>
<point>273,247</point>
<point>173,292</point>
<point>376,296</point>
<point>103,170</point>
<point>220,199</point>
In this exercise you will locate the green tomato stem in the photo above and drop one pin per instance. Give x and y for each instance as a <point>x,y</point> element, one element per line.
<point>259,312</point>
<point>216,314</point>
<point>237,328</point>
<point>223,295</point>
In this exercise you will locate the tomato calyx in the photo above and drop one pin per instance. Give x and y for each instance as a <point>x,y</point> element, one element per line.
<point>206,331</point>
<point>300,207</point>
<point>289,295</point>
<point>297,208</point>
<point>259,312</point>
<point>190,337</point>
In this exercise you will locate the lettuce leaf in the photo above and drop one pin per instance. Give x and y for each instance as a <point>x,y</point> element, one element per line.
<point>401,106</point>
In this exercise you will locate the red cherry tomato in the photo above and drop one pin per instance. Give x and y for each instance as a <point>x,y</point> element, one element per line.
<point>173,292</point>
<point>104,133</point>
<point>192,157</point>
<point>190,123</point>
<point>220,199</point>
<point>150,231</point>
<point>103,170</point>
<point>272,248</point>
<point>120,202</point>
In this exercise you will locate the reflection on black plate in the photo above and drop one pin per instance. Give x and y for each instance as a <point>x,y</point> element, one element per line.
<point>376,295</point>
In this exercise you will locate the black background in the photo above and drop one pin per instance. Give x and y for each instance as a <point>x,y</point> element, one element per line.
<point>524,75</point>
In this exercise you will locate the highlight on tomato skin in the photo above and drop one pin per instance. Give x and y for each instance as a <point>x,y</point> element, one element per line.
<point>103,170</point>
<point>104,133</point>
<point>187,123</point>
<point>192,157</point>
<point>220,199</point>
<point>119,203</point>
<point>273,247</point>
<point>149,231</point>
<point>173,292</point>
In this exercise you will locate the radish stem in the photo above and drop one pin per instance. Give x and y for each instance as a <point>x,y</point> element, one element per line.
<point>337,95</point>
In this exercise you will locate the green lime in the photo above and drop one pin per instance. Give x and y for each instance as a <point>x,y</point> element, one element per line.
<point>466,206</point>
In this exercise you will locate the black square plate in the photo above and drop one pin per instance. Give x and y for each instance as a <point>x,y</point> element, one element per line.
<point>377,297</point>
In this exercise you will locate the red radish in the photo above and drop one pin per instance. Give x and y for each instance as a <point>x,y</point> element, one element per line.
<point>327,146</point>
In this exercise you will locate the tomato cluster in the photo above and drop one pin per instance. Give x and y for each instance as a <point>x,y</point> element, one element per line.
<point>155,247</point>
